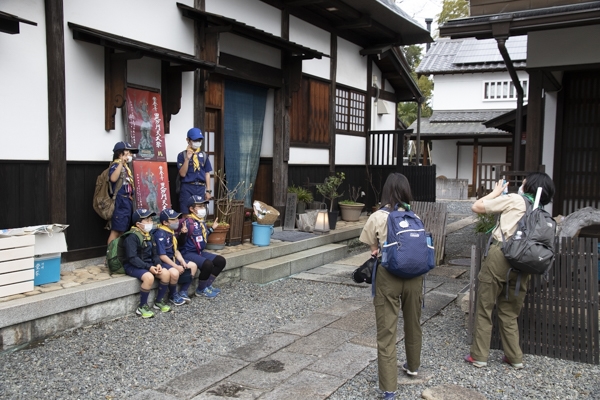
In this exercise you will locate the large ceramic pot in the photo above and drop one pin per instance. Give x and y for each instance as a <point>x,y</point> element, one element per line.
<point>216,240</point>
<point>351,212</point>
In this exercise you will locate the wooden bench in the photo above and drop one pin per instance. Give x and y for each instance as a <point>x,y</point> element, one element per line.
<point>434,217</point>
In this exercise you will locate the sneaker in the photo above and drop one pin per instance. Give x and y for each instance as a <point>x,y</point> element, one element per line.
<point>183,294</point>
<point>145,311</point>
<point>389,395</point>
<point>475,363</point>
<point>408,372</point>
<point>206,293</point>
<point>214,289</point>
<point>176,299</point>
<point>514,365</point>
<point>162,306</point>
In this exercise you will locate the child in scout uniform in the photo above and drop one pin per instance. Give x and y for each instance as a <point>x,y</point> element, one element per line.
<point>121,180</point>
<point>170,257</point>
<point>193,236</point>
<point>142,262</point>
<point>194,170</point>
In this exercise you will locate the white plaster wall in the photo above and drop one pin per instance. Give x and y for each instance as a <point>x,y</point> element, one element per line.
<point>157,22</point>
<point>350,150</point>
<point>251,12</point>
<point>86,138</point>
<point>443,155</point>
<point>383,121</point>
<point>570,46</point>
<point>549,137</point>
<point>351,66</point>
<point>465,91</point>
<point>24,83</point>
<point>465,163</point>
<point>266,149</point>
<point>308,35</point>
<point>249,49</point>
<point>301,155</point>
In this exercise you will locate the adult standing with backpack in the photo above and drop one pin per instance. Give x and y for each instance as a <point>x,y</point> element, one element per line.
<point>390,290</point>
<point>497,278</point>
<point>122,187</point>
<point>194,170</point>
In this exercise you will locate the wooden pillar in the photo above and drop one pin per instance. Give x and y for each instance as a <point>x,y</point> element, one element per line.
<point>535,122</point>
<point>332,87</point>
<point>475,160</point>
<point>57,131</point>
<point>200,75</point>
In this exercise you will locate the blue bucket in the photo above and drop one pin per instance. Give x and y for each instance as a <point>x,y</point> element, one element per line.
<point>261,234</point>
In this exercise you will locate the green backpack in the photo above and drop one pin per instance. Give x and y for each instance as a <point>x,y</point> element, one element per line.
<point>115,253</point>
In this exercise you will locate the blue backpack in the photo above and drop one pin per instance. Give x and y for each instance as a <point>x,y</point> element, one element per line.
<point>408,251</point>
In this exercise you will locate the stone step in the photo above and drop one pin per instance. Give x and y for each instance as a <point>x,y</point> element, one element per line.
<point>284,266</point>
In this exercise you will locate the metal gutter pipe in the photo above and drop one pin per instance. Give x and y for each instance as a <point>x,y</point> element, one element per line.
<point>519,114</point>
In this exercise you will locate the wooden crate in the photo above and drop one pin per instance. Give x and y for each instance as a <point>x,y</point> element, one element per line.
<point>16,265</point>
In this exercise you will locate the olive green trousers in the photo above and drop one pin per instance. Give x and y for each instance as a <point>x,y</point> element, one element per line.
<point>389,292</point>
<point>492,291</point>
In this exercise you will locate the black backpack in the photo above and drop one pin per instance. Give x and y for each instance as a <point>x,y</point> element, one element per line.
<point>531,249</point>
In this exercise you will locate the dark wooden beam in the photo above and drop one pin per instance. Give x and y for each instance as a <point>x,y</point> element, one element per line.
<point>200,76</point>
<point>550,83</point>
<point>129,55</point>
<point>474,172</point>
<point>241,68</point>
<point>57,131</point>
<point>535,122</point>
<point>171,80</point>
<point>115,81</point>
<point>363,22</point>
<point>333,46</point>
<point>301,3</point>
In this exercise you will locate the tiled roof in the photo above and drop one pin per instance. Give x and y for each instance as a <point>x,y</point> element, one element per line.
<point>448,56</point>
<point>466,115</point>
<point>457,124</point>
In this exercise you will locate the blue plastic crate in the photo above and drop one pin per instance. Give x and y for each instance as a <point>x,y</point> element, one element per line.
<point>46,269</point>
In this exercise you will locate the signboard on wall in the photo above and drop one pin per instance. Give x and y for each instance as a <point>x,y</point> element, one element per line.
<point>151,185</point>
<point>144,124</point>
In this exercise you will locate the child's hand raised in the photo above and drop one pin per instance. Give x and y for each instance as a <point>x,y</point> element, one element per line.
<point>215,224</point>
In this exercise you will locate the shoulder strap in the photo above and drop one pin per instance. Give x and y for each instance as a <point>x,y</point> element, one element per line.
<point>118,183</point>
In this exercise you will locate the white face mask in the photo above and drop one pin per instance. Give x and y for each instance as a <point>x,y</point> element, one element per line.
<point>147,227</point>
<point>129,158</point>
<point>174,225</point>
<point>201,213</point>
<point>520,191</point>
<point>196,145</point>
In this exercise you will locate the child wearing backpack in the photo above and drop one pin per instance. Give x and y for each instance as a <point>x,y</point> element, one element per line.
<point>390,290</point>
<point>194,170</point>
<point>142,262</point>
<point>170,257</point>
<point>497,277</point>
<point>194,233</point>
<point>123,189</point>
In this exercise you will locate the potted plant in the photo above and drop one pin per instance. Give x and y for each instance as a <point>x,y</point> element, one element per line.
<point>229,210</point>
<point>328,189</point>
<point>351,209</point>
<point>303,196</point>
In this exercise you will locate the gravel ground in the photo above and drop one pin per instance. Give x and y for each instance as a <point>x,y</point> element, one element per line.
<point>121,358</point>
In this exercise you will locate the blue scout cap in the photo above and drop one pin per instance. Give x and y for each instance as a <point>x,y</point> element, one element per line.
<point>125,146</point>
<point>140,214</point>
<point>196,200</point>
<point>168,214</point>
<point>195,134</point>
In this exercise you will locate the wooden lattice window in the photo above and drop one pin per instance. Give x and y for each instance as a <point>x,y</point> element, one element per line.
<point>349,111</point>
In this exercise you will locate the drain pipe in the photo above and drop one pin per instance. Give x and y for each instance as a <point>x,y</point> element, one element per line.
<point>519,117</point>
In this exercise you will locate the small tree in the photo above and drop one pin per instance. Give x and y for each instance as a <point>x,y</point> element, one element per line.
<point>328,189</point>
<point>226,196</point>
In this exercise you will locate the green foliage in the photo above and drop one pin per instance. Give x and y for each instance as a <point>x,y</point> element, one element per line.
<point>452,9</point>
<point>407,111</point>
<point>329,187</point>
<point>304,196</point>
<point>485,223</point>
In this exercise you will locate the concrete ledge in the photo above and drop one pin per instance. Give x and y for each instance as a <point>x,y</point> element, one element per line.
<point>281,267</point>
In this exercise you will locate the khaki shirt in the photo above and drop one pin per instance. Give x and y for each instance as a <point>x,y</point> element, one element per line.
<point>375,230</point>
<point>511,208</point>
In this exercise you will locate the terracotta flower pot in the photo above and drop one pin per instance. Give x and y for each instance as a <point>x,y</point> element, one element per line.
<point>216,240</point>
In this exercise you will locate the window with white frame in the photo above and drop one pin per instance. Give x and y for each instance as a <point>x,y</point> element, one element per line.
<point>502,90</point>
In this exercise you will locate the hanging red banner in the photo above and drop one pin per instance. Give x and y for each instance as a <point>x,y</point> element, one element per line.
<point>151,185</point>
<point>144,124</point>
